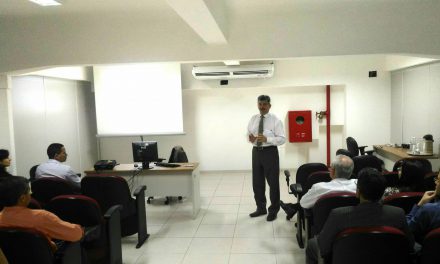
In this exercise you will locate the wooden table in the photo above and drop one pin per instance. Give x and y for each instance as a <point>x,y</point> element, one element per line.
<point>162,181</point>
<point>391,154</point>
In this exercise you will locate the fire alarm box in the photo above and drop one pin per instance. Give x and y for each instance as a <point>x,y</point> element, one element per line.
<point>300,126</point>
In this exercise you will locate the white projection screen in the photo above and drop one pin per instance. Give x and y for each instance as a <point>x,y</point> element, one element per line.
<point>138,99</point>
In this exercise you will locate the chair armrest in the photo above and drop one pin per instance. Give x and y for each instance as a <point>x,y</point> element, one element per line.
<point>369,152</point>
<point>69,253</point>
<point>287,173</point>
<point>296,189</point>
<point>362,149</point>
<point>113,229</point>
<point>140,191</point>
<point>143,235</point>
<point>431,174</point>
<point>91,233</point>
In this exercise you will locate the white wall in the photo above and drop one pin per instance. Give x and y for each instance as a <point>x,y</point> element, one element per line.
<point>215,117</point>
<point>415,103</point>
<point>6,132</point>
<point>48,110</point>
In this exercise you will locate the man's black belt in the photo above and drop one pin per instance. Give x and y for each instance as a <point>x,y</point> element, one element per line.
<point>264,147</point>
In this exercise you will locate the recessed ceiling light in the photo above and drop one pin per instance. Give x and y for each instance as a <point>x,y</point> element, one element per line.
<point>46,2</point>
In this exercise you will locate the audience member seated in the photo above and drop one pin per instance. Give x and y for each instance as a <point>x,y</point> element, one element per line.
<point>340,172</point>
<point>425,215</point>
<point>15,196</point>
<point>5,162</point>
<point>53,167</point>
<point>411,176</point>
<point>369,212</point>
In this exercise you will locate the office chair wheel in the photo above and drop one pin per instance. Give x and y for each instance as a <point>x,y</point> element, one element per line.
<point>149,200</point>
<point>167,201</point>
<point>179,198</point>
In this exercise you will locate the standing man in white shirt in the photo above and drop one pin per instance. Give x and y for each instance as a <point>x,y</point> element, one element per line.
<point>340,172</point>
<point>53,167</point>
<point>266,132</point>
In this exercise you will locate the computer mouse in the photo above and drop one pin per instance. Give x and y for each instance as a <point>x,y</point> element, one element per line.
<point>135,165</point>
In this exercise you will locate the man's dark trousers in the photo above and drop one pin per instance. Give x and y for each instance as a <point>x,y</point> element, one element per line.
<point>266,166</point>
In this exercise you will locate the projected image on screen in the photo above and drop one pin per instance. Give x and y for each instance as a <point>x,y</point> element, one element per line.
<point>138,99</point>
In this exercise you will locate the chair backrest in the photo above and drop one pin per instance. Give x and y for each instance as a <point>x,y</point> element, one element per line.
<point>34,204</point>
<point>24,246</point>
<point>430,247</point>
<point>32,172</point>
<point>326,203</point>
<point>429,181</point>
<point>178,155</point>
<point>352,146</point>
<point>107,191</point>
<point>315,177</point>
<point>366,245</point>
<point>364,161</point>
<point>306,169</point>
<point>344,152</point>
<point>78,209</point>
<point>392,178</point>
<point>404,200</point>
<point>46,188</point>
<point>425,164</point>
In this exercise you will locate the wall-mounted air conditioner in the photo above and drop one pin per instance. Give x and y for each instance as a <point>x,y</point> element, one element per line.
<point>232,72</point>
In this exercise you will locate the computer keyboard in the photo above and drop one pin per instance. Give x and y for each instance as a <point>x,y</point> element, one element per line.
<point>169,165</point>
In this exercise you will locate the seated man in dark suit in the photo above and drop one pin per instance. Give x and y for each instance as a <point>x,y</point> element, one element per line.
<point>425,216</point>
<point>370,212</point>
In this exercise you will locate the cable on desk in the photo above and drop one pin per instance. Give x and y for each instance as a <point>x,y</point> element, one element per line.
<point>130,180</point>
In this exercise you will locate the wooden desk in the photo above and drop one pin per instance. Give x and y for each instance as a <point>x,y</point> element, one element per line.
<point>162,181</point>
<point>392,154</point>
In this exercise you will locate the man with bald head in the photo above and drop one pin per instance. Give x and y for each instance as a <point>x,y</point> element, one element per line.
<point>340,172</point>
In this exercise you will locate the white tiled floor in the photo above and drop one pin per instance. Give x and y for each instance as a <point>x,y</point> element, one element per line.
<point>222,232</point>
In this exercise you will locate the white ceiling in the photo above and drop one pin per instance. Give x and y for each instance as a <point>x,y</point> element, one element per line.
<point>84,32</point>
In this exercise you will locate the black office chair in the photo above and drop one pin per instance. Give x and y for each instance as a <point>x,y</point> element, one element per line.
<point>102,241</point>
<point>344,152</point>
<point>24,246</point>
<point>318,214</point>
<point>375,244</point>
<point>430,248</point>
<point>178,155</point>
<point>32,172</point>
<point>298,189</point>
<point>355,150</point>
<point>113,190</point>
<point>365,161</point>
<point>46,188</point>
<point>404,200</point>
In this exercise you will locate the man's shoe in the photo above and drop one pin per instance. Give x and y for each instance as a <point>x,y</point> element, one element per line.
<point>258,213</point>
<point>271,217</point>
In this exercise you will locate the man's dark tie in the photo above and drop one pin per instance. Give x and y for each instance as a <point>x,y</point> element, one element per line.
<point>260,130</point>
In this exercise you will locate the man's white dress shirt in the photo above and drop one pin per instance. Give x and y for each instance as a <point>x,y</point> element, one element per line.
<point>321,188</point>
<point>272,129</point>
<point>54,168</point>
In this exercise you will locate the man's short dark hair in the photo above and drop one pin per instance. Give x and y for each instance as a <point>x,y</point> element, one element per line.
<point>412,175</point>
<point>53,149</point>
<point>264,98</point>
<point>11,188</point>
<point>371,184</point>
<point>4,154</point>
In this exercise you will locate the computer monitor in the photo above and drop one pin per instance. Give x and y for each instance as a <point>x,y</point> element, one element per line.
<point>145,152</point>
